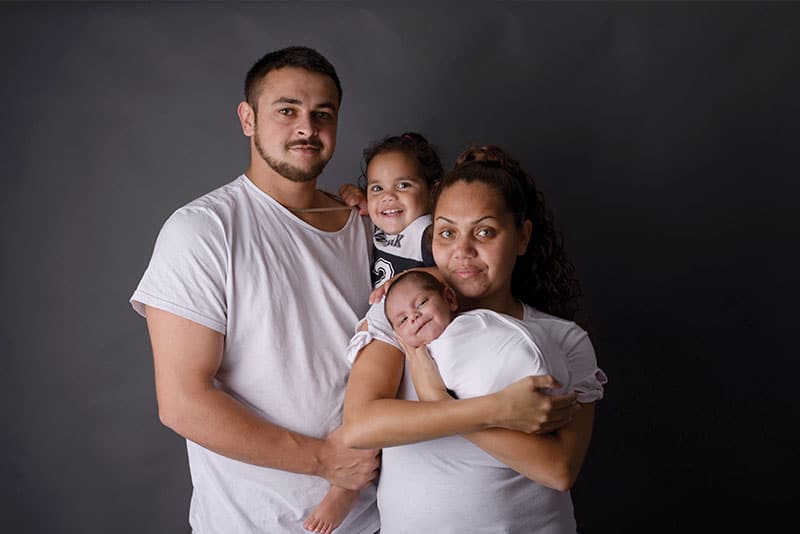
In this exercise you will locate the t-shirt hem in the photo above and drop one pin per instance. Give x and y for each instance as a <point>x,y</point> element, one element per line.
<point>141,298</point>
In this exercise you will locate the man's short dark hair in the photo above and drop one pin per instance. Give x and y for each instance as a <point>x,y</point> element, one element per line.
<point>294,56</point>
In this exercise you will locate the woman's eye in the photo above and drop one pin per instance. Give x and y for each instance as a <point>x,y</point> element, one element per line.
<point>485,232</point>
<point>447,234</point>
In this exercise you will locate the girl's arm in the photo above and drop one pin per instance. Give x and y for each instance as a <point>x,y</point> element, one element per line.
<point>553,459</point>
<point>375,418</point>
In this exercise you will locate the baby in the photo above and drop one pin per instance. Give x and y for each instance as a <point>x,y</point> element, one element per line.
<point>477,352</point>
<point>400,171</point>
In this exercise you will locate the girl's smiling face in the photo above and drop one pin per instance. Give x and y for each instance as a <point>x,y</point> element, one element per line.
<point>396,192</point>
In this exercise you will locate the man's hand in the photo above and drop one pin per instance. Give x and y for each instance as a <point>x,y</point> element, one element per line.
<point>525,407</point>
<point>345,467</point>
<point>354,196</point>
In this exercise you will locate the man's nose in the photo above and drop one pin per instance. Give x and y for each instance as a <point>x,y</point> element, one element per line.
<point>305,126</point>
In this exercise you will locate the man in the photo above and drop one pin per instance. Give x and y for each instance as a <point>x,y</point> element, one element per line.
<point>250,297</point>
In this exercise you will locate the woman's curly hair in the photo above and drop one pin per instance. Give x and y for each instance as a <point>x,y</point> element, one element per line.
<point>543,277</point>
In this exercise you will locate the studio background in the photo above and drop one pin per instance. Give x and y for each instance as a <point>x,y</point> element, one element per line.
<point>663,135</point>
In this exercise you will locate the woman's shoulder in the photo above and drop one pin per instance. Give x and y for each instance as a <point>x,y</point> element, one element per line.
<point>533,315</point>
<point>561,331</point>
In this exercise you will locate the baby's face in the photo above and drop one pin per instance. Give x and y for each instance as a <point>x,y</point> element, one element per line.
<point>396,192</point>
<point>418,315</point>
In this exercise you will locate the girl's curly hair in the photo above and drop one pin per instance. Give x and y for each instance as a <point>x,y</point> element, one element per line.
<point>411,143</point>
<point>543,277</point>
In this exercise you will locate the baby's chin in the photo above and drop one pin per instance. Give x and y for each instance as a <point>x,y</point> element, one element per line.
<point>427,340</point>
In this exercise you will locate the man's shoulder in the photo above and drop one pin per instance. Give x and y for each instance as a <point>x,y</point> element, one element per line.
<point>206,213</point>
<point>220,198</point>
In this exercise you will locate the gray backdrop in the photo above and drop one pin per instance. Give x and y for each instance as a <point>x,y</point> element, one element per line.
<point>664,135</point>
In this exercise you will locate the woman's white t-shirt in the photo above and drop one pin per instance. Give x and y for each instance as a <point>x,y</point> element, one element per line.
<point>450,485</point>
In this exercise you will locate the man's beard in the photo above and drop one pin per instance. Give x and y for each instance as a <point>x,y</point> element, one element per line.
<point>290,172</point>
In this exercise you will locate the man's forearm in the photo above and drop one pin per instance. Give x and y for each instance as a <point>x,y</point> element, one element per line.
<point>218,422</point>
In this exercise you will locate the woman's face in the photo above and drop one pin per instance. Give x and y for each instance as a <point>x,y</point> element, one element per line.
<point>476,243</point>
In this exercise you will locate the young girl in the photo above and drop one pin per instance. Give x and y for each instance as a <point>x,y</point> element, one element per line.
<point>398,175</point>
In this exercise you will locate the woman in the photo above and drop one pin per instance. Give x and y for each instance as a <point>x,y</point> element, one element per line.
<point>502,462</point>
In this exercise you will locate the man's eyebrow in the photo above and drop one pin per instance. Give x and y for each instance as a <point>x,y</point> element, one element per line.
<point>287,100</point>
<point>296,102</point>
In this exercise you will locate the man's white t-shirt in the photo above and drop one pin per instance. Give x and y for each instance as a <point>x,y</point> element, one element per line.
<point>286,296</point>
<point>449,485</point>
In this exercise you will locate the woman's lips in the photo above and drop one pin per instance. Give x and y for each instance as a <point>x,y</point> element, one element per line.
<point>466,272</point>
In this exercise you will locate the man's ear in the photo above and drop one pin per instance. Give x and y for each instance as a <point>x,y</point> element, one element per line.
<point>525,236</point>
<point>247,118</point>
<point>450,297</point>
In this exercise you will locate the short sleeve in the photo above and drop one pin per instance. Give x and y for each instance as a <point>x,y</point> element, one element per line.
<point>187,272</point>
<point>378,327</point>
<point>587,379</point>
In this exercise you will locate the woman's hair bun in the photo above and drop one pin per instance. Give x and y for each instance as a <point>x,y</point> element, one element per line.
<point>492,154</point>
<point>487,153</point>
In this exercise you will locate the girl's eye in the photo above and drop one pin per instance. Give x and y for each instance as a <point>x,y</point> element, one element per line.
<point>375,189</point>
<point>403,185</point>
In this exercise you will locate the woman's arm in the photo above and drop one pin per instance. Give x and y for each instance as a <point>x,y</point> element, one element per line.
<point>552,459</point>
<point>375,418</point>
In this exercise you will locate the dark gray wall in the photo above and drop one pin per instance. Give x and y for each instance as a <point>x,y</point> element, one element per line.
<point>665,136</point>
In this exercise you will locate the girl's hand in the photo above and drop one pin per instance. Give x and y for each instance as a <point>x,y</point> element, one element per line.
<point>377,294</point>
<point>354,196</point>
<point>425,374</point>
<point>524,406</point>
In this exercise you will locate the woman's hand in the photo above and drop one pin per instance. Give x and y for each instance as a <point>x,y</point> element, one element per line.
<point>425,374</point>
<point>354,196</point>
<point>524,406</point>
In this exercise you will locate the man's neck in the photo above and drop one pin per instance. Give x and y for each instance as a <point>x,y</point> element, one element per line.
<point>301,198</point>
<point>292,195</point>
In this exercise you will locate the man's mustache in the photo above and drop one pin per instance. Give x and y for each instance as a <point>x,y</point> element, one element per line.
<point>305,142</point>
